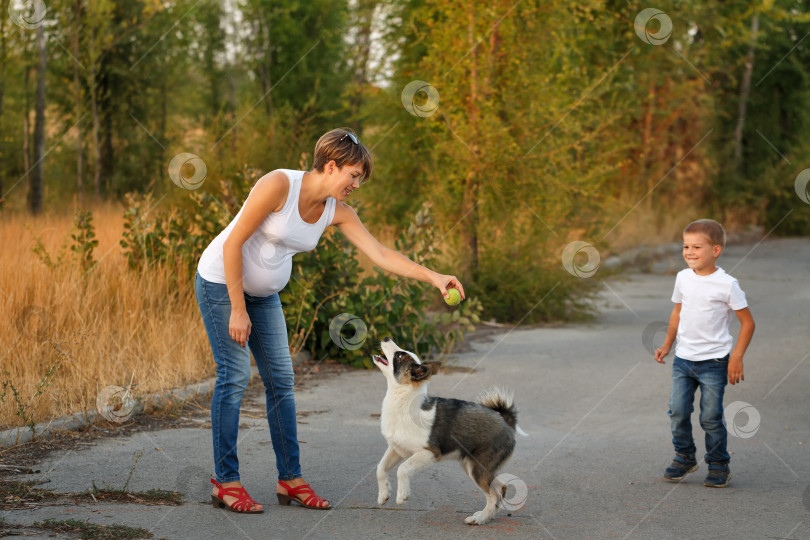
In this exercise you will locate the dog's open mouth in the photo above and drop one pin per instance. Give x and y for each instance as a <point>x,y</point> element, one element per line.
<point>380,359</point>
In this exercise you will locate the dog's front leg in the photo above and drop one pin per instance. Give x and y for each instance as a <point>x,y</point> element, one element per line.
<point>388,461</point>
<point>413,464</point>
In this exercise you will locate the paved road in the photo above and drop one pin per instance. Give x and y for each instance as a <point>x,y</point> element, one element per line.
<point>590,396</point>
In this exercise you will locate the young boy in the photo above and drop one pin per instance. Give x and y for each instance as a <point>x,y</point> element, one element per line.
<point>704,298</point>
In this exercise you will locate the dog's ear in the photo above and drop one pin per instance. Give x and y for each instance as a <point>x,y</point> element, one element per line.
<point>422,372</point>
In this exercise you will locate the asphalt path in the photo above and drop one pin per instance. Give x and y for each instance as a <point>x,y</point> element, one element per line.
<point>591,397</point>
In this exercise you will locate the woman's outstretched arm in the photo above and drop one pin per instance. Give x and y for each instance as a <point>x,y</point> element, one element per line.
<point>347,221</point>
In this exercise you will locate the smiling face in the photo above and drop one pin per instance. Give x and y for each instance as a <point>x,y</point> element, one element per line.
<point>700,253</point>
<point>344,179</point>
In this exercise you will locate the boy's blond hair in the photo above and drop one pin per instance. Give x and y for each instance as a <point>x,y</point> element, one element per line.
<point>708,228</point>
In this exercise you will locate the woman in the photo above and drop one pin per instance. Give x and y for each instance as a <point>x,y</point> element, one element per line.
<point>238,279</point>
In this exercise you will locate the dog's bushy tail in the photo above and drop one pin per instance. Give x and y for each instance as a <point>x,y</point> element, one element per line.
<point>502,402</point>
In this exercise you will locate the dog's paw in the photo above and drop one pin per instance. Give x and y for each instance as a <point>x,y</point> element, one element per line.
<point>383,495</point>
<point>403,495</point>
<point>478,518</point>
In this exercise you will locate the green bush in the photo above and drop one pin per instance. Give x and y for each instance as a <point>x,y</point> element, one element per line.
<point>516,288</point>
<point>176,238</point>
<point>84,239</point>
<point>386,304</point>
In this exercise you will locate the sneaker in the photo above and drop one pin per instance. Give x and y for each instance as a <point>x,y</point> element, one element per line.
<point>719,475</point>
<point>682,465</point>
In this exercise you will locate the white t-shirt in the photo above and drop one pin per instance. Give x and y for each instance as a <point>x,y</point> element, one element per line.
<point>707,305</point>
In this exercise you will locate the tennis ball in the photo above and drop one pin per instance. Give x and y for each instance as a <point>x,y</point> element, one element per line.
<point>453,298</point>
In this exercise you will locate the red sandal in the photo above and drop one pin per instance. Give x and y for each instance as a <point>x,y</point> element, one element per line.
<point>295,493</point>
<point>243,504</point>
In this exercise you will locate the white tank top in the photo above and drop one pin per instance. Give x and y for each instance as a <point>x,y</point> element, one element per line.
<point>267,254</point>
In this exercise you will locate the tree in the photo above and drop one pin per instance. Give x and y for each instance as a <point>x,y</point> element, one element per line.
<point>77,97</point>
<point>296,52</point>
<point>508,154</point>
<point>3,61</point>
<point>37,174</point>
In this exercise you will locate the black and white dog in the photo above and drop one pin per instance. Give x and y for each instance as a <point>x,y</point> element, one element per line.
<point>423,430</point>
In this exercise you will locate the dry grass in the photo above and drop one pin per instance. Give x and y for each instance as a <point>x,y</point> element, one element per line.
<point>107,326</point>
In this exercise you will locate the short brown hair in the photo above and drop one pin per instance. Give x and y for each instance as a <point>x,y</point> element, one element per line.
<point>337,145</point>
<point>710,229</point>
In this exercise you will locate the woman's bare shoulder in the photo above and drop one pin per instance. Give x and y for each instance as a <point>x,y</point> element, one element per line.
<point>344,213</point>
<point>273,188</point>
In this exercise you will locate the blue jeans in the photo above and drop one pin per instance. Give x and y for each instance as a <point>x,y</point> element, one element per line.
<point>268,343</point>
<point>711,376</point>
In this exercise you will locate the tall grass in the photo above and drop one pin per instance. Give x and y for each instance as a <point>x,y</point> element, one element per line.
<point>67,333</point>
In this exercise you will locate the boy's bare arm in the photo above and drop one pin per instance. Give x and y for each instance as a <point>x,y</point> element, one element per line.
<point>735,362</point>
<point>672,331</point>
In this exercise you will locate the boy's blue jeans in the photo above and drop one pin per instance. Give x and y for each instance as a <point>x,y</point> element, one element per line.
<point>711,376</point>
<point>268,343</point>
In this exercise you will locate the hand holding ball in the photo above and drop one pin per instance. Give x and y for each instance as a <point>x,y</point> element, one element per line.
<point>453,297</point>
